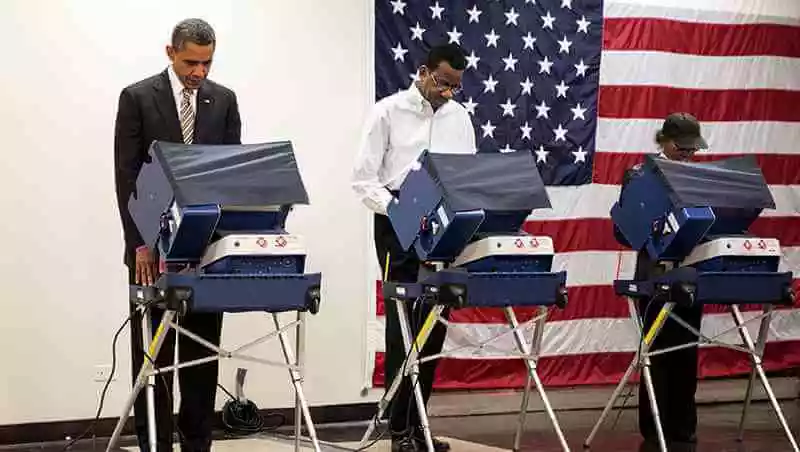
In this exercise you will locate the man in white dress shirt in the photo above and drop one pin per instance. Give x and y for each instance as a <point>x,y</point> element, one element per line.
<point>398,129</point>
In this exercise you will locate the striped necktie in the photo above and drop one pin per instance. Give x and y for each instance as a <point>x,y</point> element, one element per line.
<point>187,117</point>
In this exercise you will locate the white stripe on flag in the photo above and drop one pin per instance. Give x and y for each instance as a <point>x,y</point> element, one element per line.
<point>745,137</point>
<point>785,12</point>
<point>595,201</point>
<point>597,335</point>
<point>599,268</point>
<point>699,72</point>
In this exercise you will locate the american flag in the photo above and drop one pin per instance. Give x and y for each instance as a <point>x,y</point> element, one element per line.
<point>584,85</point>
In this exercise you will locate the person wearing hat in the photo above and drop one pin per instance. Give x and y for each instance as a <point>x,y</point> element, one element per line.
<point>674,373</point>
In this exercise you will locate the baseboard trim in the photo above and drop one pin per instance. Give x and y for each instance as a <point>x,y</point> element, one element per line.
<point>59,431</point>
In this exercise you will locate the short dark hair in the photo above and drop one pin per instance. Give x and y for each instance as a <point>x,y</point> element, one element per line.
<point>451,53</point>
<point>196,31</point>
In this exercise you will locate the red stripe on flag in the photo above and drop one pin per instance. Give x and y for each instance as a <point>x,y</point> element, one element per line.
<point>597,234</point>
<point>701,38</point>
<point>778,169</point>
<point>636,101</point>
<point>588,369</point>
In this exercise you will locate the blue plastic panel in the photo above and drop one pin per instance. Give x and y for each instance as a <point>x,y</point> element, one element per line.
<point>511,264</point>
<point>189,242</point>
<point>257,265</point>
<point>677,233</point>
<point>721,288</point>
<point>246,293</point>
<point>742,287</point>
<point>454,233</point>
<point>418,198</point>
<point>517,289</point>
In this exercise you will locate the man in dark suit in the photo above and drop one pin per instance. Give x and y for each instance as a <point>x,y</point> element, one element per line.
<point>674,373</point>
<point>178,105</point>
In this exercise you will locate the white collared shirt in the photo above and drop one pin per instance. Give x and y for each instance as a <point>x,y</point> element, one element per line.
<point>398,128</point>
<point>177,92</point>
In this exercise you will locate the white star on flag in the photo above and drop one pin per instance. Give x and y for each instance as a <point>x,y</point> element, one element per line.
<point>489,84</point>
<point>527,86</point>
<point>578,112</point>
<point>488,129</point>
<point>583,25</point>
<point>580,155</point>
<point>542,110</point>
<point>474,14</point>
<point>541,154</point>
<point>470,106</point>
<point>548,20</point>
<point>399,53</point>
<point>545,65</point>
<point>472,60</point>
<point>491,39</point>
<point>564,45</point>
<point>398,6</point>
<point>416,32</point>
<point>436,11</point>
<point>581,68</point>
<point>511,62</point>
<point>526,131</point>
<point>561,89</point>
<point>511,17</point>
<point>529,41</point>
<point>508,108</point>
<point>561,133</point>
<point>455,36</point>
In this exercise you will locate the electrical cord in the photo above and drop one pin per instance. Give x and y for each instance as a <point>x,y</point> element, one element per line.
<point>105,386</point>
<point>242,418</point>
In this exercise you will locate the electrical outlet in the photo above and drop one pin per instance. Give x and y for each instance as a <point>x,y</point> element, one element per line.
<point>102,372</point>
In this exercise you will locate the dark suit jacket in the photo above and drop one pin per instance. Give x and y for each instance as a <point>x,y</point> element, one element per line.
<point>147,113</point>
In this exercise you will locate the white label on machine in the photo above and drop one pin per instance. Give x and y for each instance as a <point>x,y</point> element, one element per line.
<point>673,222</point>
<point>443,216</point>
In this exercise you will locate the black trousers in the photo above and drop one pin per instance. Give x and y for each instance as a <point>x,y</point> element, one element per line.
<point>198,384</point>
<point>674,376</point>
<point>404,267</point>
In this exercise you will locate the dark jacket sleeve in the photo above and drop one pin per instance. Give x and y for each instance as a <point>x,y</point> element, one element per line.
<point>233,123</point>
<point>128,160</point>
<point>626,177</point>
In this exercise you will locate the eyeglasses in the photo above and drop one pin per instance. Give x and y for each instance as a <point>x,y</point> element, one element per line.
<point>455,89</point>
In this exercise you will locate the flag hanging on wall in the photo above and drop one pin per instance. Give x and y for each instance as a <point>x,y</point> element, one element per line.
<point>584,85</point>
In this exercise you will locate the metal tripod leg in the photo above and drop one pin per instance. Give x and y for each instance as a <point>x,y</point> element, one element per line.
<point>533,354</point>
<point>147,333</point>
<point>297,380</point>
<point>145,376</point>
<point>411,365</point>
<point>763,330</point>
<point>748,342</point>
<point>641,360</point>
<point>300,349</point>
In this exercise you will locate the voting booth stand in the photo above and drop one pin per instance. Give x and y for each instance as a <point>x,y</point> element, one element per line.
<point>216,214</point>
<point>463,214</point>
<point>692,220</point>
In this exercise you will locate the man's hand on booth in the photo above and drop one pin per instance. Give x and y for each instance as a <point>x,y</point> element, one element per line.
<point>146,268</point>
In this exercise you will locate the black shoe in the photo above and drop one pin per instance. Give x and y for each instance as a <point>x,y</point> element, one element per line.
<point>404,445</point>
<point>438,446</point>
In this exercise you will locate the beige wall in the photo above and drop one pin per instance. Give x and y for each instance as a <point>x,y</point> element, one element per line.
<point>299,75</point>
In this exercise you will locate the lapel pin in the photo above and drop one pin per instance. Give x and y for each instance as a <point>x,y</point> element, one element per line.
<point>206,101</point>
